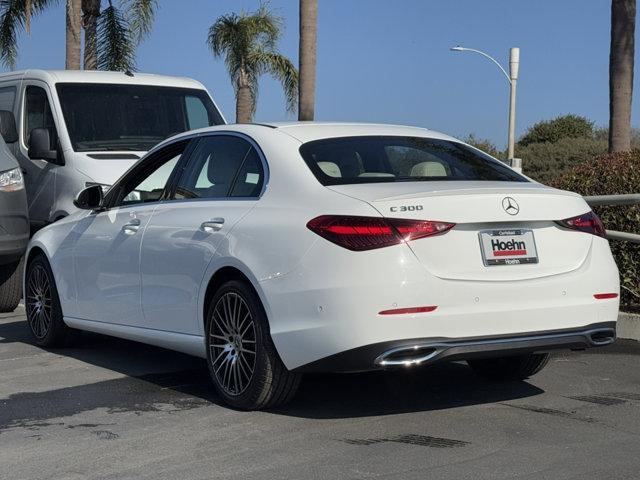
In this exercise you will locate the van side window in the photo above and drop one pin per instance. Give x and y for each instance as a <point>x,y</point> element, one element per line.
<point>38,114</point>
<point>7,98</point>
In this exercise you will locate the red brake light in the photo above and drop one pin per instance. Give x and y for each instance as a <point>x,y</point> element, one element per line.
<point>605,296</point>
<point>588,223</point>
<point>368,233</point>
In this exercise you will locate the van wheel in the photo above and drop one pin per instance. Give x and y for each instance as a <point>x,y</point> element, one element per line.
<point>243,362</point>
<point>44,314</point>
<point>517,367</point>
<point>10,286</point>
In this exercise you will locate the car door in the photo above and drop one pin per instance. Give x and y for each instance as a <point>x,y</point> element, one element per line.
<point>221,183</point>
<point>107,250</point>
<point>39,174</point>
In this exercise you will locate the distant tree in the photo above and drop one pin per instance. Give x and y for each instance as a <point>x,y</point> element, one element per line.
<point>487,146</point>
<point>621,64</point>
<point>307,60</point>
<point>248,43</point>
<point>565,126</point>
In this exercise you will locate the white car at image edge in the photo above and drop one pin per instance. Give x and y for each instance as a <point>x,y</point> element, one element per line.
<point>275,250</point>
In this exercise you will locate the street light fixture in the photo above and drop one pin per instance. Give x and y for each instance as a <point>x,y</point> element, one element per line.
<point>512,78</point>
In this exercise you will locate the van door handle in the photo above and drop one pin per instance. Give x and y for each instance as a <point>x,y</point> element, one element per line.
<point>131,227</point>
<point>213,225</point>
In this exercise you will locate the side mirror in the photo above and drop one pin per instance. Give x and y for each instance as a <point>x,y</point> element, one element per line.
<point>39,146</point>
<point>8,126</point>
<point>91,198</point>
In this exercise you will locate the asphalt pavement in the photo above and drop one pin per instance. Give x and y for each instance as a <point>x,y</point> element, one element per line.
<point>112,409</point>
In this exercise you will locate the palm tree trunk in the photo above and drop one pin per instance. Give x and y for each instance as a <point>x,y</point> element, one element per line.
<point>90,14</point>
<point>623,25</point>
<point>244,100</point>
<point>74,21</point>
<point>308,43</point>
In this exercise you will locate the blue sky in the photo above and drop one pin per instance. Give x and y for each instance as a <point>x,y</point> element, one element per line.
<point>389,60</point>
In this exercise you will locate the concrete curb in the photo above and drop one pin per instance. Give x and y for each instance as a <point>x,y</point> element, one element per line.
<point>629,326</point>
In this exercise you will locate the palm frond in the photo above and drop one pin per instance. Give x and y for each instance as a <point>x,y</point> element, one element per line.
<point>116,44</point>
<point>264,27</point>
<point>140,16</point>
<point>14,17</point>
<point>281,68</point>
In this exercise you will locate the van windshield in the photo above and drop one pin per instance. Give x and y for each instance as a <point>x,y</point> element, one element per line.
<point>102,117</point>
<point>374,159</point>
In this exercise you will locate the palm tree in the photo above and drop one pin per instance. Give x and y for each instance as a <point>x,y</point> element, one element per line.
<point>623,25</point>
<point>248,43</point>
<point>90,16</point>
<point>73,41</point>
<point>307,60</point>
<point>111,36</point>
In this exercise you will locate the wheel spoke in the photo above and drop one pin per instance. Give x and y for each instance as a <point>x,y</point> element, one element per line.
<point>232,343</point>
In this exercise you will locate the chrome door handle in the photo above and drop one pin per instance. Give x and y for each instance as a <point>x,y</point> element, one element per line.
<point>212,225</point>
<point>131,227</point>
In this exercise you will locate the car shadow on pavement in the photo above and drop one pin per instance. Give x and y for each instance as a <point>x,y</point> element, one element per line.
<point>172,377</point>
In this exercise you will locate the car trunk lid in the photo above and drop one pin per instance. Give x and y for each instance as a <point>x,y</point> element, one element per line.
<point>508,208</point>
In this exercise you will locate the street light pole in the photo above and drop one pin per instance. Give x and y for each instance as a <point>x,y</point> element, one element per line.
<point>512,78</point>
<point>514,65</point>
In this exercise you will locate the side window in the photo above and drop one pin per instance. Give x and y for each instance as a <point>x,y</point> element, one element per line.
<point>148,183</point>
<point>250,177</point>
<point>197,116</point>
<point>221,165</point>
<point>7,98</point>
<point>38,114</point>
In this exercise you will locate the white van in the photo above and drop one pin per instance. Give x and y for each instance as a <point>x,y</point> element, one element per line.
<point>78,128</point>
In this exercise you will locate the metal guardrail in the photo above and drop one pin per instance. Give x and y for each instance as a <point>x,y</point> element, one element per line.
<point>631,199</point>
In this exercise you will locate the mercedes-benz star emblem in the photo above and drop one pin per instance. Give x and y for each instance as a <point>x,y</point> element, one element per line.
<point>510,206</point>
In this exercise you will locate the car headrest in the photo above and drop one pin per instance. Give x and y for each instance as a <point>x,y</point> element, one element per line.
<point>428,169</point>
<point>330,168</point>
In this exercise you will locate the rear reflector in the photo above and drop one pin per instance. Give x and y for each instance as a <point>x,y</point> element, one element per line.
<point>588,223</point>
<point>605,296</point>
<point>367,233</point>
<point>400,311</point>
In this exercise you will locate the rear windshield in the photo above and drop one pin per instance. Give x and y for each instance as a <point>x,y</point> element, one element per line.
<point>348,160</point>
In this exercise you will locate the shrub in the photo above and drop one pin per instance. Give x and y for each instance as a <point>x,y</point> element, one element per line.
<point>483,144</point>
<point>545,162</point>
<point>611,175</point>
<point>566,126</point>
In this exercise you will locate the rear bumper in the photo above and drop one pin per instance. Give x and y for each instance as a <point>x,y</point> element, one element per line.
<point>427,351</point>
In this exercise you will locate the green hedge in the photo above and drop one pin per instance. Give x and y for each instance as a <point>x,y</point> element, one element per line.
<point>547,161</point>
<point>612,175</point>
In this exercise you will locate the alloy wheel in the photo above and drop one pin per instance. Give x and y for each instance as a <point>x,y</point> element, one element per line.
<point>232,343</point>
<point>39,301</point>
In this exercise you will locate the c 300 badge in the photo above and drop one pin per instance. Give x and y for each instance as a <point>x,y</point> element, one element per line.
<point>407,208</point>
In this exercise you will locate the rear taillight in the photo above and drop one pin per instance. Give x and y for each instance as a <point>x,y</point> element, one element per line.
<point>588,223</point>
<point>367,233</point>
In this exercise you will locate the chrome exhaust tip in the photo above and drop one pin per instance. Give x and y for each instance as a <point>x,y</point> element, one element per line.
<point>408,356</point>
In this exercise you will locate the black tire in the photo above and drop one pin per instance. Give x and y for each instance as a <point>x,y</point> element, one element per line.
<point>508,369</point>
<point>44,314</point>
<point>236,324</point>
<point>10,286</point>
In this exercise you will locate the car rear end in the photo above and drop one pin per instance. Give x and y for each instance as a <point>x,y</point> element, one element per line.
<point>446,266</point>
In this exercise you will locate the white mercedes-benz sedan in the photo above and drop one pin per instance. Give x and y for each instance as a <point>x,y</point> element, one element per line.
<point>274,250</point>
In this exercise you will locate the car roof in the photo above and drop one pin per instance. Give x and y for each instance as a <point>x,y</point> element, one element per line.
<point>309,131</point>
<point>95,76</point>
